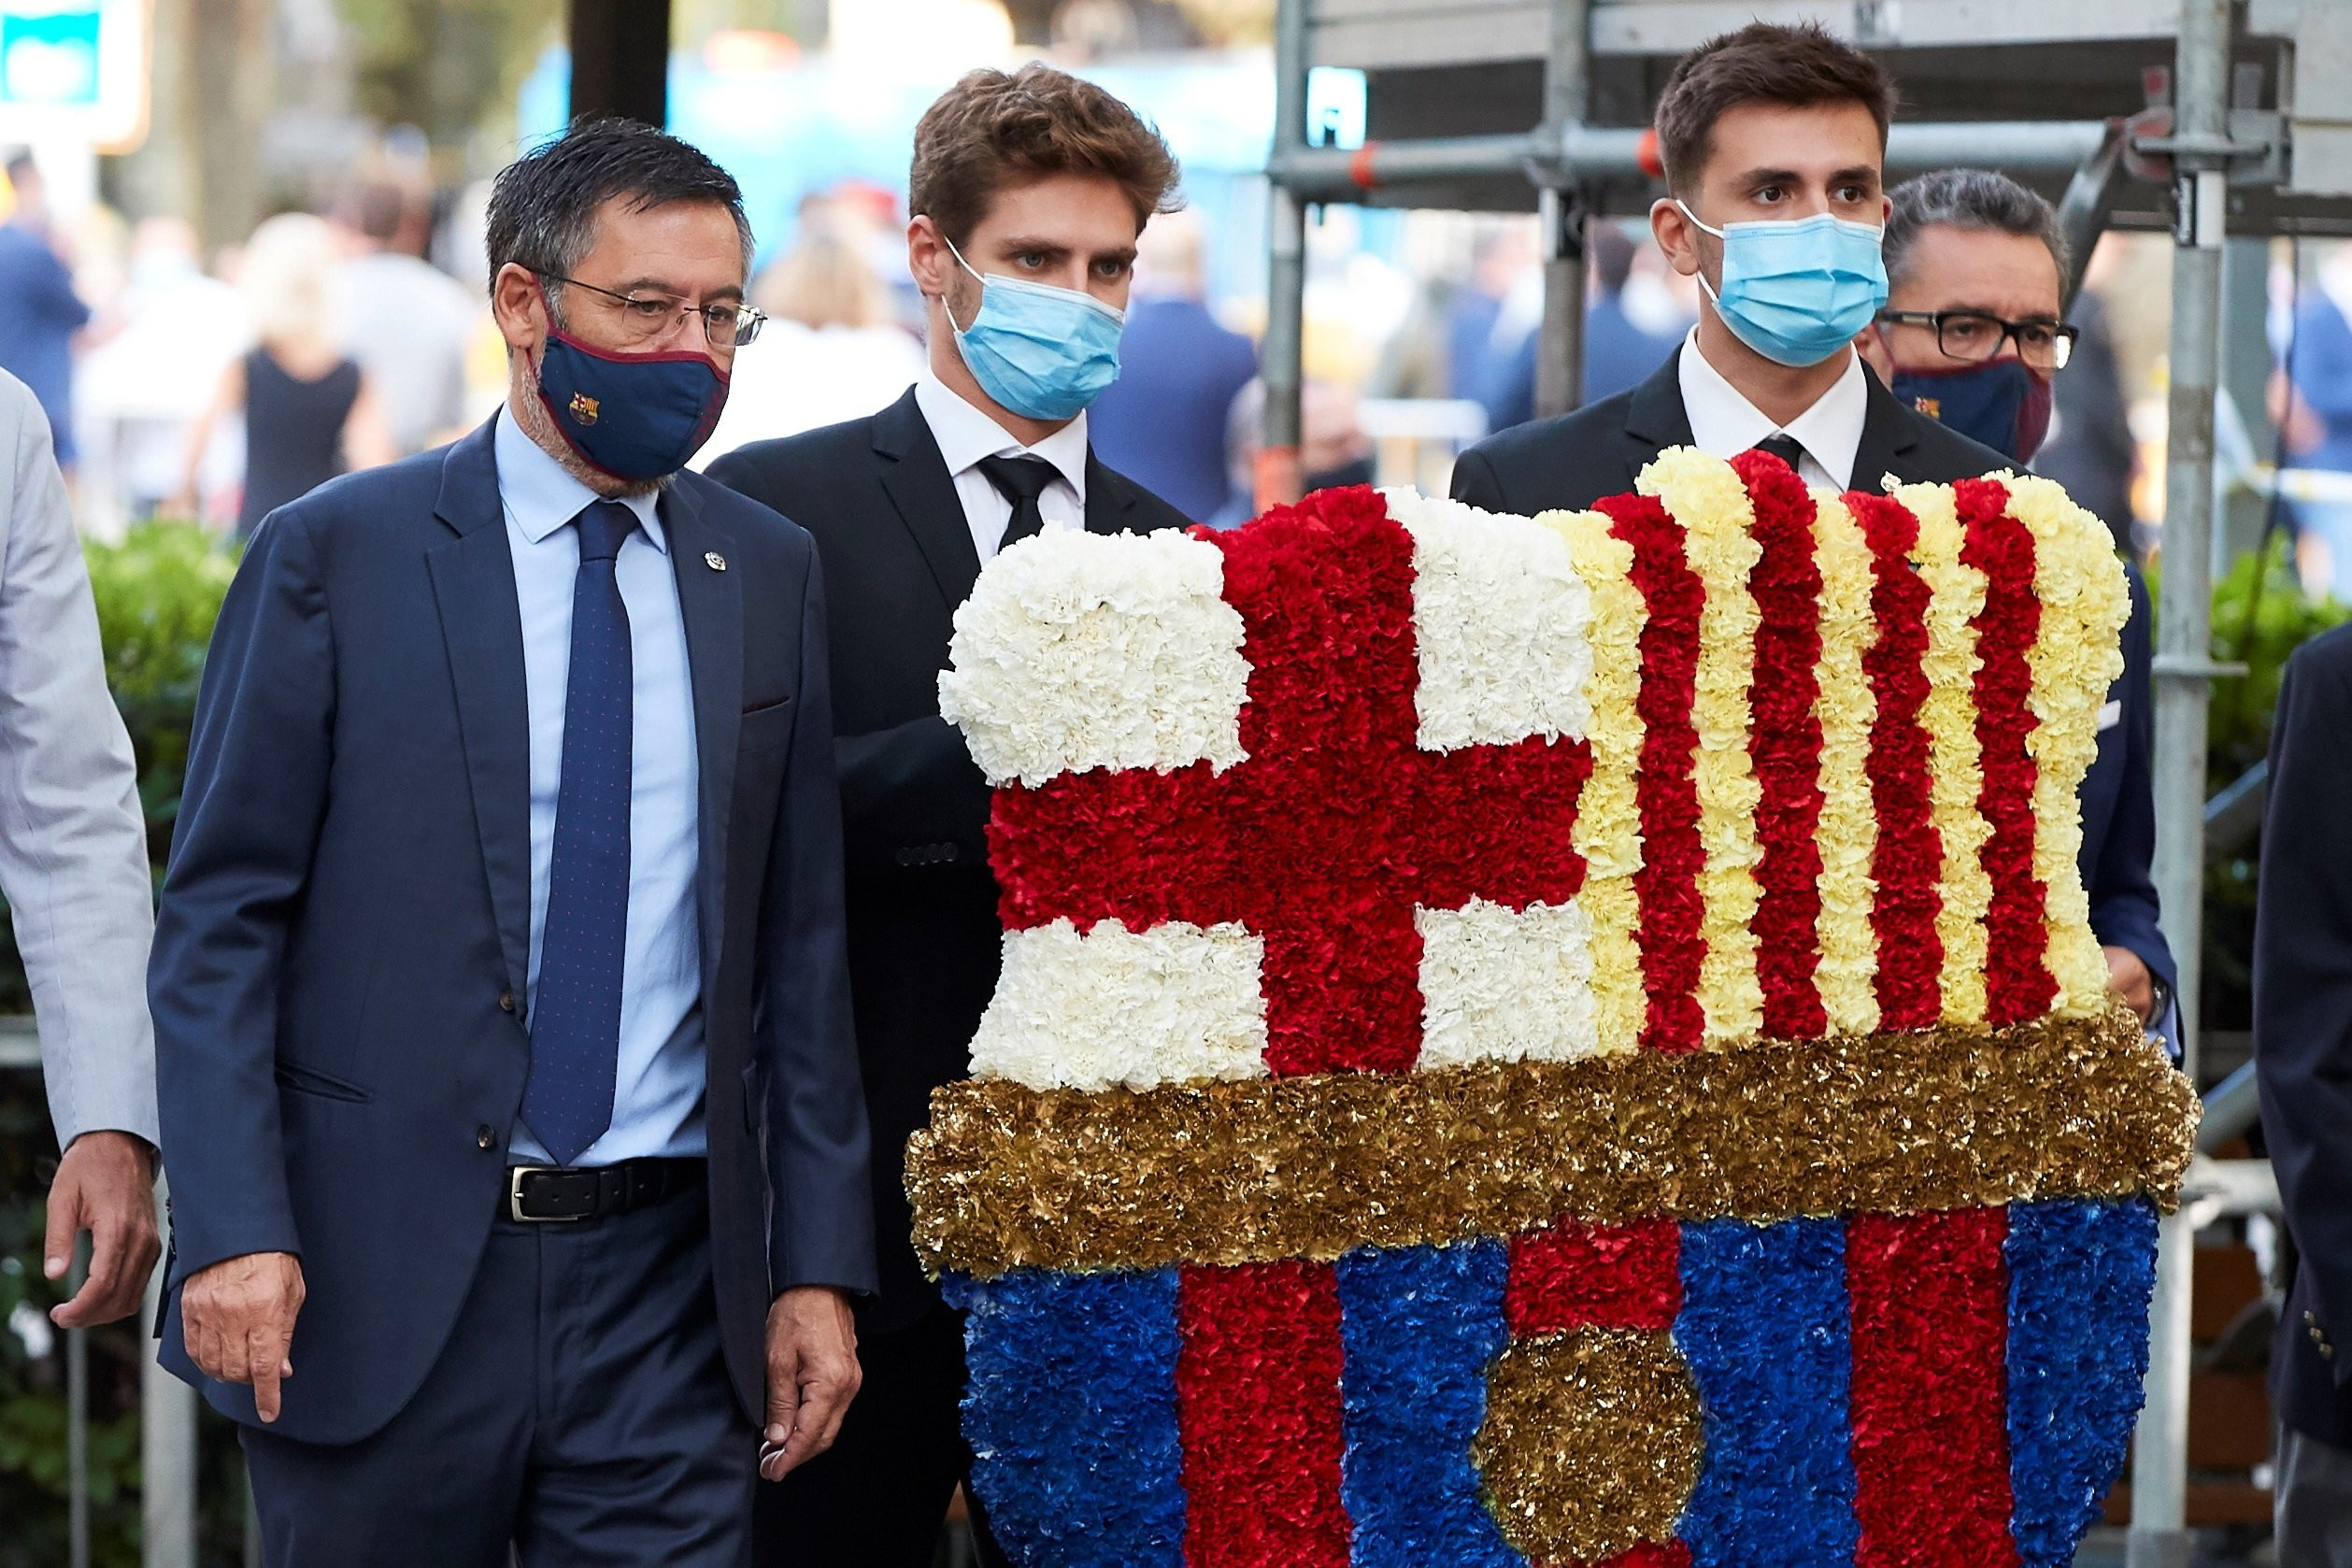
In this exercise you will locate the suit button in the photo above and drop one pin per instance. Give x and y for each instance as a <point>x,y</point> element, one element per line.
<point>505,1001</point>
<point>2316,1337</point>
<point>484,1137</point>
<point>2311,1318</point>
<point>947,853</point>
<point>906,857</point>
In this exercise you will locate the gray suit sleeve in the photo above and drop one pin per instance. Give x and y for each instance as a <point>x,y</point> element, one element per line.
<point>73,844</point>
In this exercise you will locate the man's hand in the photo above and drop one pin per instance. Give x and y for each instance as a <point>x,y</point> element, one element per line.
<point>2128,977</point>
<point>239,1318</point>
<point>105,1184</point>
<point>812,1375</point>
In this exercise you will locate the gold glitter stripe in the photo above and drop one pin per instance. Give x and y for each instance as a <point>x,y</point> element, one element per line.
<point>1312,1167</point>
<point>1847,709</point>
<point>1608,827</point>
<point>2075,660</point>
<point>1706,496</point>
<point>1949,716</point>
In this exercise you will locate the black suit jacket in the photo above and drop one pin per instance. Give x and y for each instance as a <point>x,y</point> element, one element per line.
<point>345,924</point>
<point>2303,1028</point>
<point>1572,460</point>
<point>924,940</point>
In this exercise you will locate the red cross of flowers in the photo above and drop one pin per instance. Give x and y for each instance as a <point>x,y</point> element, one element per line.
<point>1336,826</point>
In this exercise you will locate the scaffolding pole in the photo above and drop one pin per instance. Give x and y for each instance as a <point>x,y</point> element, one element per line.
<point>1560,208</point>
<point>2201,149</point>
<point>1279,478</point>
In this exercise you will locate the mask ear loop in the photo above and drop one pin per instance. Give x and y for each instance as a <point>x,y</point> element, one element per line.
<point>1713,298</point>
<point>949,309</point>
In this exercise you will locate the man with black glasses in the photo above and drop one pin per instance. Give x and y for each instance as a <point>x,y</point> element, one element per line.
<point>1970,336</point>
<point>509,1100</point>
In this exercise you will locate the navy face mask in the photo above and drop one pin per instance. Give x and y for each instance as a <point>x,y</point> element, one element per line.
<point>636,417</point>
<point>2003,403</point>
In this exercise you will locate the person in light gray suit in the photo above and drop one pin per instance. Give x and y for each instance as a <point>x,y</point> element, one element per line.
<point>73,865</point>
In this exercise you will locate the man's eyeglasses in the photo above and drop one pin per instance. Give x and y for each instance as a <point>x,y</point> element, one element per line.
<point>1974,337</point>
<point>646,317</point>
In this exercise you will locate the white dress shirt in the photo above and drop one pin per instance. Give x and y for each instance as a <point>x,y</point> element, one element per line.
<point>1723,424</point>
<point>72,845</point>
<point>965,435</point>
<point>657,1107</point>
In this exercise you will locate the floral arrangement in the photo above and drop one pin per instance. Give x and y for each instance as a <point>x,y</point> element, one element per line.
<point>1564,1042</point>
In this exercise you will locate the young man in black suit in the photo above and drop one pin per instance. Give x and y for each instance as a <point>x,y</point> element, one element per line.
<point>1773,139</point>
<point>1028,195</point>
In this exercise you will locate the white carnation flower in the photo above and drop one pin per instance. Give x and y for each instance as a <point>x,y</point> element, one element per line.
<point>1084,650</point>
<point>1505,985</point>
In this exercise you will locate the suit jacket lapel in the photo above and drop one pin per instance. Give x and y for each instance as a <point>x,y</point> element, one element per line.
<point>916,478</point>
<point>473,576</point>
<point>710,600</point>
<point>1657,419</point>
<point>1109,499</point>
<point>1888,437</point>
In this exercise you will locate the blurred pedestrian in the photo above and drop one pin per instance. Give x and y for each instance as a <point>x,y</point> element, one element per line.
<point>73,863</point>
<point>1970,336</point>
<point>1163,422</point>
<point>406,322</point>
<point>310,411</point>
<point>2318,420</point>
<point>1620,352</point>
<point>139,393</point>
<point>39,311</point>
<point>831,350</point>
<point>1334,449</point>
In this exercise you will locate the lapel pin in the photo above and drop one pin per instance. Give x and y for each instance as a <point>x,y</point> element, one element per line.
<point>714,560</point>
<point>1888,483</point>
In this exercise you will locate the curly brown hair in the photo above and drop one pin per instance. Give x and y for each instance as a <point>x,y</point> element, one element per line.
<point>1762,62</point>
<point>991,130</point>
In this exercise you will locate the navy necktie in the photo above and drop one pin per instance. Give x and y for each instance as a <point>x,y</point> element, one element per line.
<point>1019,480</point>
<point>576,1014</point>
<point>1782,446</point>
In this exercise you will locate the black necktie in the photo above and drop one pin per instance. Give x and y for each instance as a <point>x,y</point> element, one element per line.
<point>1784,447</point>
<point>1019,480</point>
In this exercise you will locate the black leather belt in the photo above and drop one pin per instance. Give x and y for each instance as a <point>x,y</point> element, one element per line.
<point>541,1194</point>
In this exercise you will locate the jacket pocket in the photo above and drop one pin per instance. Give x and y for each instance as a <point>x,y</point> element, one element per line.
<point>309,1080</point>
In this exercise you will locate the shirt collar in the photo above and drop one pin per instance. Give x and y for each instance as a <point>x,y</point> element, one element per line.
<point>1723,424</point>
<point>965,435</point>
<point>541,497</point>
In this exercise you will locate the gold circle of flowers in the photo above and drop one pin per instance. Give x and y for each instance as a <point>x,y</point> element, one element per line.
<point>1591,1443</point>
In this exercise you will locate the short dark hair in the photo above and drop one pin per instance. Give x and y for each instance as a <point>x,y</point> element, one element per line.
<point>543,205</point>
<point>992,129</point>
<point>1762,62</point>
<point>1979,199</point>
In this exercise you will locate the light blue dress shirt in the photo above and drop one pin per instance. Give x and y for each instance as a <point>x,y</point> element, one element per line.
<point>657,1107</point>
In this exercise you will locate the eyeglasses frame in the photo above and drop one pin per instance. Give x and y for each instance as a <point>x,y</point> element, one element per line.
<point>2063,333</point>
<point>748,318</point>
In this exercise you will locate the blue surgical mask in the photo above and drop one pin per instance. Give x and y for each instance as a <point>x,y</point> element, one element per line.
<point>1797,289</point>
<point>1041,352</point>
<point>2003,403</point>
<point>636,417</point>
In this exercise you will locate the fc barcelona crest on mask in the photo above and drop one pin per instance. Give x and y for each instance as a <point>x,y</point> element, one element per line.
<point>1566,1042</point>
<point>583,408</point>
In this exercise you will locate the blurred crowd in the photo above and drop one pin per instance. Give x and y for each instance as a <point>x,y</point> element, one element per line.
<point>219,386</point>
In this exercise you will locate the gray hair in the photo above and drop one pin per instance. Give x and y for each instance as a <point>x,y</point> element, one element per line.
<point>1979,199</point>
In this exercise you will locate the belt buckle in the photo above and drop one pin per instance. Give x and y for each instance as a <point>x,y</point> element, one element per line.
<point>514,1197</point>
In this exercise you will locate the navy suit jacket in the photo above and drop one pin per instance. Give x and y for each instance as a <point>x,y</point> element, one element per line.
<point>345,926</point>
<point>2119,810</point>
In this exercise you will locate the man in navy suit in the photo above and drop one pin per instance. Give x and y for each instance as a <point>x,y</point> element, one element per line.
<point>509,1101</point>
